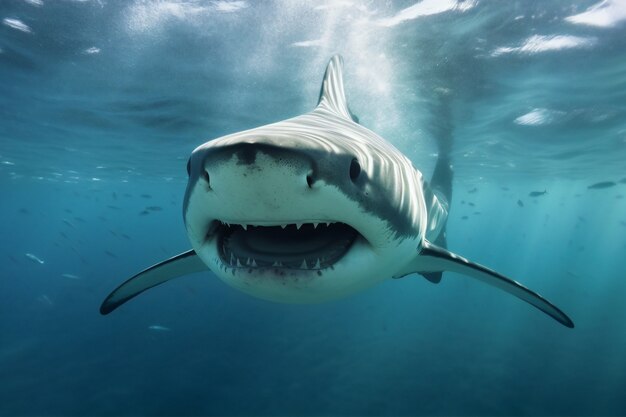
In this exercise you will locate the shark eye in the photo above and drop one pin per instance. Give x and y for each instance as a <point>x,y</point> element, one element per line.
<point>355,170</point>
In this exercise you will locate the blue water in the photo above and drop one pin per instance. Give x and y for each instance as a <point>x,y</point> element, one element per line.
<point>101,103</point>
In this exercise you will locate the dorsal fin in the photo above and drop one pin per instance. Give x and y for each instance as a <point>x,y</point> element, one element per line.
<point>332,95</point>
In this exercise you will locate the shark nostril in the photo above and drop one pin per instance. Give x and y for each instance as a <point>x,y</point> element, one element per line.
<point>355,170</point>
<point>205,176</point>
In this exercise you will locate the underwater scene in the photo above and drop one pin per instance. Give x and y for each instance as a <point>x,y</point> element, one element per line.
<point>326,207</point>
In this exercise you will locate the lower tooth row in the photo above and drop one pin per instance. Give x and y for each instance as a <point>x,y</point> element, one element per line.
<point>251,262</point>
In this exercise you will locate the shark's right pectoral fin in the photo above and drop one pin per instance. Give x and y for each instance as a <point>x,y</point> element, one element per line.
<point>432,259</point>
<point>183,264</point>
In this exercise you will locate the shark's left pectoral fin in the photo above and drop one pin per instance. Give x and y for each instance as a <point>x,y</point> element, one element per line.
<point>183,264</point>
<point>435,259</point>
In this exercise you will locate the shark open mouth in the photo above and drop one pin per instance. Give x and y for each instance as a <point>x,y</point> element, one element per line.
<point>306,246</point>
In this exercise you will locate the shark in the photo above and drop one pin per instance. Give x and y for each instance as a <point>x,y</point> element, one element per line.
<point>315,208</point>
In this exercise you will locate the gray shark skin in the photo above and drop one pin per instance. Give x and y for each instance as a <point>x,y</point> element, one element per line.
<point>311,209</point>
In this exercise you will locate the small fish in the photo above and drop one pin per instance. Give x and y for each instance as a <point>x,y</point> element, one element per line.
<point>159,328</point>
<point>154,208</point>
<point>520,203</point>
<point>111,254</point>
<point>43,298</point>
<point>473,190</point>
<point>24,211</point>
<point>537,193</point>
<point>477,212</point>
<point>601,185</point>
<point>146,196</point>
<point>125,236</point>
<point>471,204</point>
<point>622,181</point>
<point>114,195</point>
<point>464,218</point>
<point>13,259</point>
<point>79,219</point>
<point>582,219</point>
<point>504,188</point>
<point>623,223</point>
<point>113,207</point>
<point>144,213</point>
<point>68,211</point>
<point>68,223</point>
<point>34,258</point>
<point>70,276</point>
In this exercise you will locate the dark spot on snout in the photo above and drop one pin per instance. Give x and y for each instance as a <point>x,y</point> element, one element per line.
<point>246,154</point>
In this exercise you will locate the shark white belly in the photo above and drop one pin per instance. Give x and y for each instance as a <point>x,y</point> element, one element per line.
<point>310,209</point>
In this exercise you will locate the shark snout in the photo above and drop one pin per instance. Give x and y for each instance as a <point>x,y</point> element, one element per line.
<point>257,163</point>
<point>257,168</point>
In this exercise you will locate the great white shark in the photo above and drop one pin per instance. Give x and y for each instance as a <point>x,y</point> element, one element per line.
<point>315,208</point>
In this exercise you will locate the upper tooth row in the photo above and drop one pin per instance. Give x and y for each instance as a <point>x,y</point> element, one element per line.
<point>298,225</point>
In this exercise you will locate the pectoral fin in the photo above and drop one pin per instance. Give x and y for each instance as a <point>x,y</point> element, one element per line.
<point>434,277</point>
<point>183,264</point>
<point>435,259</point>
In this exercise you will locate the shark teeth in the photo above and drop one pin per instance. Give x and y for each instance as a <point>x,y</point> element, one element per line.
<point>306,264</point>
<point>235,262</point>
<point>303,246</point>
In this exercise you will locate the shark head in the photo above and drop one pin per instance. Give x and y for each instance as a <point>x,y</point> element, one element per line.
<point>307,209</point>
